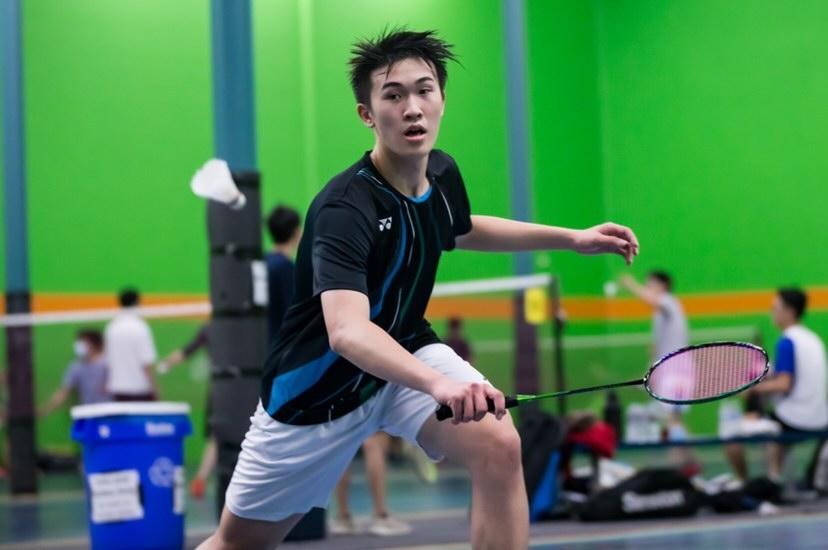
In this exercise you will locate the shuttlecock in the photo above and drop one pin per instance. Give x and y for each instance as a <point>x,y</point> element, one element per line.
<point>213,181</point>
<point>610,288</point>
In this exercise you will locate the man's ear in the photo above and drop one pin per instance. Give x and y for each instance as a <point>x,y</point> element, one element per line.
<point>365,115</point>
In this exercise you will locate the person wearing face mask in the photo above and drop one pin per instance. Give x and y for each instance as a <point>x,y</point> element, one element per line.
<point>85,375</point>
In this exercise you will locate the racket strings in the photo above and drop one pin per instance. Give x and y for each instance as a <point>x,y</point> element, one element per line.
<point>703,373</point>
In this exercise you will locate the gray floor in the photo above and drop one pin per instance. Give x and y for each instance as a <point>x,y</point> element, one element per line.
<point>56,519</point>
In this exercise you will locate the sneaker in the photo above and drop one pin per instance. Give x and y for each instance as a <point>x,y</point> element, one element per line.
<point>341,526</point>
<point>388,527</point>
<point>425,469</point>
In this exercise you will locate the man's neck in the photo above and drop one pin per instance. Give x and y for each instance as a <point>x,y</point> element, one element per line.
<point>406,174</point>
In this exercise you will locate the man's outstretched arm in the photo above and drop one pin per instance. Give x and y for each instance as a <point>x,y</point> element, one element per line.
<point>494,234</point>
<point>639,290</point>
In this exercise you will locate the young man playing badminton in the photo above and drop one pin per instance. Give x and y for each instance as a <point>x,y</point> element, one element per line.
<point>355,354</point>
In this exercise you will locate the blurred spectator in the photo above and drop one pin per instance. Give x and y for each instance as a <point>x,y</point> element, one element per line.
<point>285,227</point>
<point>670,333</point>
<point>85,376</point>
<point>799,383</point>
<point>456,340</point>
<point>209,454</point>
<point>130,353</point>
<point>198,341</point>
<point>375,451</point>
<point>669,321</point>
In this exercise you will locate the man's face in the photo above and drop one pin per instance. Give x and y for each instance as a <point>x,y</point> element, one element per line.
<point>781,314</point>
<point>406,107</point>
<point>655,285</point>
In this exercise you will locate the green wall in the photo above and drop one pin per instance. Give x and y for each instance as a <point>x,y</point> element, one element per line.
<point>117,115</point>
<point>700,124</point>
<point>714,116</point>
<point>566,132</point>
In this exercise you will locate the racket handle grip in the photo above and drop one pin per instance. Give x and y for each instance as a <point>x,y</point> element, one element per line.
<point>444,412</point>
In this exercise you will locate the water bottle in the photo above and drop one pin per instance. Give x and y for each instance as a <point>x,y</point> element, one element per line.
<point>636,424</point>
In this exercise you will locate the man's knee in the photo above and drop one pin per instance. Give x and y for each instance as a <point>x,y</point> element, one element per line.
<point>500,454</point>
<point>236,533</point>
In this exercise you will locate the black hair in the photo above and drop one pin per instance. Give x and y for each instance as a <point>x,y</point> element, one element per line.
<point>282,223</point>
<point>392,46</point>
<point>91,336</point>
<point>662,277</point>
<point>129,297</point>
<point>794,299</point>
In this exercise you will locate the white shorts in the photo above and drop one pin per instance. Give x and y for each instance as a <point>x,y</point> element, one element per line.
<point>284,469</point>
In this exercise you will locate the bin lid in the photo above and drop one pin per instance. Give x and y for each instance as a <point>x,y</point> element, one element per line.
<point>121,408</point>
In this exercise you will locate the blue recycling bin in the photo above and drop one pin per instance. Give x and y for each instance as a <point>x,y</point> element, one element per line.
<point>133,461</point>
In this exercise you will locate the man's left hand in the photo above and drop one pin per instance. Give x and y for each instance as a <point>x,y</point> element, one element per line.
<point>608,238</point>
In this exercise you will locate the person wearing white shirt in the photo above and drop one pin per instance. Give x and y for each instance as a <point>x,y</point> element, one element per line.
<point>799,384</point>
<point>130,353</point>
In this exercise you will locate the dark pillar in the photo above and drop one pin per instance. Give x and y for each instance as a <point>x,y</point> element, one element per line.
<point>21,425</point>
<point>235,241</point>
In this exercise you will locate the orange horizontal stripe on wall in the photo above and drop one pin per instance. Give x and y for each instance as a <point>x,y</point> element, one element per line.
<point>48,302</point>
<point>43,302</point>
<point>578,308</point>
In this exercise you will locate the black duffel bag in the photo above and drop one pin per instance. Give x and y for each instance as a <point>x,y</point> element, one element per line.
<point>651,493</point>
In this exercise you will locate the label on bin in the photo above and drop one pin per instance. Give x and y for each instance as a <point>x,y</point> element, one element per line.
<point>156,429</point>
<point>115,496</point>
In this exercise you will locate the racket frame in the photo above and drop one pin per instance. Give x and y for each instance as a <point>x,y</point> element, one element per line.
<point>685,349</point>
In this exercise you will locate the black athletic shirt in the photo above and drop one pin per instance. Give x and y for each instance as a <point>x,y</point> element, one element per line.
<point>361,234</point>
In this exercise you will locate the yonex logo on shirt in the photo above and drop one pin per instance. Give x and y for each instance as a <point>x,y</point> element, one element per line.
<point>385,223</point>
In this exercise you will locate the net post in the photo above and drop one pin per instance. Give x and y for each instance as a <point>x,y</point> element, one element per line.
<point>556,320</point>
<point>526,348</point>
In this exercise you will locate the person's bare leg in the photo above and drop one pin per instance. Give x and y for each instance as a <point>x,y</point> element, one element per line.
<point>735,453</point>
<point>374,449</point>
<point>198,485</point>
<point>343,507</point>
<point>490,450</point>
<point>235,533</point>
<point>776,461</point>
<point>208,458</point>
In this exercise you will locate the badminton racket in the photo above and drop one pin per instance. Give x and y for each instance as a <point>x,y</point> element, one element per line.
<point>695,374</point>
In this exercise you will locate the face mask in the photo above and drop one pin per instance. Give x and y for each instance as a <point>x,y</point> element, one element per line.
<point>81,348</point>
